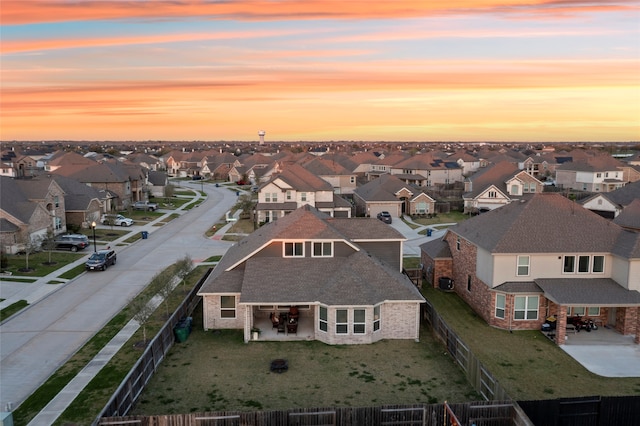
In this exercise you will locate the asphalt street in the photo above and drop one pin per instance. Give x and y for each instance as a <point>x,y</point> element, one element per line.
<point>38,340</point>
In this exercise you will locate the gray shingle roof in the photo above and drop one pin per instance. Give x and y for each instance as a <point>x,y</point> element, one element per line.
<point>544,223</point>
<point>588,292</point>
<point>382,189</point>
<point>357,279</point>
<point>436,249</point>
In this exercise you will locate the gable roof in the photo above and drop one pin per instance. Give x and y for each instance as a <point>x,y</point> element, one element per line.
<point>358,279</point>
<point>301,179</point>
<point>20,196</point>
<point>495,174</point>
<point>383,188</point>
<point>544,223</point>
<point>77,196</point>
<point>630,216</point>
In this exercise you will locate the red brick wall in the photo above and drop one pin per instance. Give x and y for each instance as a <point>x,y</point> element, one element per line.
<point>626,320</point>
<point>434,269</point>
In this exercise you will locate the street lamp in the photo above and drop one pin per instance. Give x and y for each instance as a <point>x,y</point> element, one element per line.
<point>93,227</point>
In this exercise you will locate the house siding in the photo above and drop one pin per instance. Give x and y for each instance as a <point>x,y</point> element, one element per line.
<point>211,314</point>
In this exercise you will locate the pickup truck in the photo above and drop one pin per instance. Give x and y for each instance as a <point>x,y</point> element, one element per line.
<point>145,205</point>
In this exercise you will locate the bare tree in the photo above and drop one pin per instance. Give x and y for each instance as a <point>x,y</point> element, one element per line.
<point>30,245</point>
<point>183,267</point>
<point>163,283</point>
<point>49,243</point>
<point>142,309</point>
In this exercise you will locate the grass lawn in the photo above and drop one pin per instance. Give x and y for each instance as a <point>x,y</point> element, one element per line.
<point>452,217</point>
<point>216,370</point>
<point>105,234</point>
<point>12,309</point>
<point>526,363</point>
<point>39,262</point>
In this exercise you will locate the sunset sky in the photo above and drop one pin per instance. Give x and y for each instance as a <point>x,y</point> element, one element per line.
<point>389,70</point>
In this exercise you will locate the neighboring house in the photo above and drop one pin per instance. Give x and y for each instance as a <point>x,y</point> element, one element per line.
<point>389,193</point>
<point>157,183</point>
<point>467,162</point>
<point>600,173</point>
<point>342,179</point>
<point>541,257</point>
<point>497,185</point>
<point>149,162</point>
<point>295,187</point>
<point>125,181</point>
<point>29,208</point>
<point>427,170</point>
<point>611,204</point>
<point>343,276</point>
<point>83,204</point>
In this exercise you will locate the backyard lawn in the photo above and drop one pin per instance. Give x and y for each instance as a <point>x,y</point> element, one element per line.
<point>216,370</point>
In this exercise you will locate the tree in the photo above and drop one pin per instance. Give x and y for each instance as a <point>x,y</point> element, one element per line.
<point>169,190</point>
<point>142,309</point>
<point>49,243</point>
<point>245,203</point>
<point>30,245</point>
<point>183,267</point>
<point>163,283</point>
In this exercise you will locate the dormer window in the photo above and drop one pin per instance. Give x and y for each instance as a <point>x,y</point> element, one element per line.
<point>322,249</point>
<point>294,249</point>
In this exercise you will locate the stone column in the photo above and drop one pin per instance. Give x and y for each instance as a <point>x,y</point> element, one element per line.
<point>561,325</point>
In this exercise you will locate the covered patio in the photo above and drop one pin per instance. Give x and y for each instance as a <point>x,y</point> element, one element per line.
<point>613,309</point>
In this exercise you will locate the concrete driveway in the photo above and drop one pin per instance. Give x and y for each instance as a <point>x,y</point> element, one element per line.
<point>35,342</point>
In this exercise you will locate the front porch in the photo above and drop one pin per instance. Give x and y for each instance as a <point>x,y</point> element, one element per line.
<point>269,333</point>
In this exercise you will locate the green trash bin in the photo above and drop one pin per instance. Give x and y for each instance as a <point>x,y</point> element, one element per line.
<point>181,333</point>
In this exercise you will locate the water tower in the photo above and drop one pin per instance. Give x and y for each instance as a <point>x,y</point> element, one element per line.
<point>261,135</point>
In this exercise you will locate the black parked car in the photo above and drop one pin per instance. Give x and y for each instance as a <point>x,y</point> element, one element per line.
<point>101,260</point>
<point>385,217</point>
<point>73,242</point>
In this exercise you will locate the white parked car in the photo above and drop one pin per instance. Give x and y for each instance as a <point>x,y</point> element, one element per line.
<point>116,219</point>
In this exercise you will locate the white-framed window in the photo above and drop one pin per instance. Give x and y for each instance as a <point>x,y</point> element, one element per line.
<point>56,201</point>
<point>322,319</point>
<point>303,196</point>
<point>227,306</point>
<point>376,318</point>
<point>500,305</point>
<point>342,321</point>
<point>352,179</point>
<point>274,197</point>
<point>493,194</point>
<point>523,266</point>
<point>322,249</point>
<point>289,196</point>
<point>579,310</point>
<point>267,197</point>
<point>569,264</point>
<point>598,264</point>
<point>57,223</point>
<point>583,264</point>
<point>525,308</point>
<point>294,249</point>
<point>359,321</point>
<point>458,243</point>
<point>593,311</point>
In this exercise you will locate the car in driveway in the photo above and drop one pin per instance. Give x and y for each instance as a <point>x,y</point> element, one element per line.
<point>145,205</point>
<point>116,219</point>
<point>101,260</point>
<point>73,242</point>
<point>385,217</point>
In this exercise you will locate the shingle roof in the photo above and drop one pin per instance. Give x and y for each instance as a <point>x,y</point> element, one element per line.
<point>302,180</point>
<point>357,279</point>
<point>545,223</point>
<point>77,196</point>
<point>383,188</point>
<point>586,292</point>
<point>630,216</point>
<point>495,174</point>
<point>436,249</point>
<point>18,195</point>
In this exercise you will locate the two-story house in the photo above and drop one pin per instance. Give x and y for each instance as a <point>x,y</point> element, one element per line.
<point>342,276</point>
<point>544,256</point>
<point>29,208</point>
<point>341,178</point>
<point>295,187</point>
<point>428,170</point>
<point>497,185</point>
<point>600,173</point>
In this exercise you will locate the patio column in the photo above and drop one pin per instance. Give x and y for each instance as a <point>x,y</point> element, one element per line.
<point>561,325</point>
<point>637,338</point>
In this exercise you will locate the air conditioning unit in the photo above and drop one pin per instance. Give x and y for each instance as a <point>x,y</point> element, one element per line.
<point>445,283</point>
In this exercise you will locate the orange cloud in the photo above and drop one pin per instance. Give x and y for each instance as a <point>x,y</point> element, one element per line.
<point>22,12</point>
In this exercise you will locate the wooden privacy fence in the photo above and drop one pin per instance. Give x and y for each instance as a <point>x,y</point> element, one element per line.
<point>479,377</point>
<point>584,411</point>
<point>487,413</point>
<point>133,384</point>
